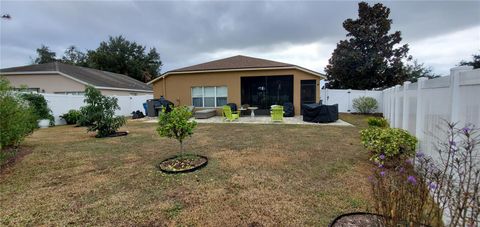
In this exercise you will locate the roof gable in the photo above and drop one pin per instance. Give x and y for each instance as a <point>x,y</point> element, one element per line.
<point>235,62</point>
<point>94,77</point>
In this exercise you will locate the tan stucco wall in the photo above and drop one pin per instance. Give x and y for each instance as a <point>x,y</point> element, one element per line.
<point>177,87</point>
<point>51,83</point>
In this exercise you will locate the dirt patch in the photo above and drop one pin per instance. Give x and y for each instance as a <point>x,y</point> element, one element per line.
<point>358,219</point>
<point>183,163</point>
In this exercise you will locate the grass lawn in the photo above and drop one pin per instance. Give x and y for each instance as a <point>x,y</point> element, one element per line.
<point>257,174</point>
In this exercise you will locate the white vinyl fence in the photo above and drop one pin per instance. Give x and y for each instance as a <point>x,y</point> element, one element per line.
<point>423,108</point>
<point>344,98</point>
<point>60,104</point>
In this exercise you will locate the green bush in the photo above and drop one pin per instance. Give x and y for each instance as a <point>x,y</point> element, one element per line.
<point>365,105</point>
<point>378,122</point>
<point>175,124</point>
<point>40,106</point>
<point>72,116</point>
<point>99,113</point>
<point>17,118</point>
<point>388,144</point>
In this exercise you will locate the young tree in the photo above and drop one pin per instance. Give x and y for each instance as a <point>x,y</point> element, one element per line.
<point>99,113</point>
<point>175,124</point>
<point>368,59</point>
<point>417,70</point>
<point>475,62</point>
<point>44,55</point>
<point>74,56</point>
<point>119,55</point>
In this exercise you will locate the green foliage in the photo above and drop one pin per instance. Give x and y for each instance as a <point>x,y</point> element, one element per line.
<point>119,55</point>
<point>417,70</point>
<point>378,122</point>
<point>40,106</point>
<point>44,55</point>
<point>176,124</point>
<point>99,113</point>
<point>17,118</point>
<point>388,144</point>
<point>365,105</point>
<point>73,56</point>
<point>72,116</point>
<point>368,58</point>
<point>475,62</point>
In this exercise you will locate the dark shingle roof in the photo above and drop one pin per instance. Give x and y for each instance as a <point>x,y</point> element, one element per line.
<point>235,62</point>
<point>90,76</point>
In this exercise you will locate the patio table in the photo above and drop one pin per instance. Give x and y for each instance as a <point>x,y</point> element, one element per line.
<point>252,109</point>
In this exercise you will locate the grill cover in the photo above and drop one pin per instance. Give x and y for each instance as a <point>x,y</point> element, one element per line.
<point>320,113</point>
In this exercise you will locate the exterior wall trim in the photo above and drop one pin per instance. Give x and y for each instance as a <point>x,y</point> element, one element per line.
<point>236,70</point>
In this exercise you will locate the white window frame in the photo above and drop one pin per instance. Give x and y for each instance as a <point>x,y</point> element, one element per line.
<point>203,95</point>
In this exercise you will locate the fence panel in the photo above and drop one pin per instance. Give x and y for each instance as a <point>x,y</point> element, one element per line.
<point>344,98</point>
<point>60,104</point>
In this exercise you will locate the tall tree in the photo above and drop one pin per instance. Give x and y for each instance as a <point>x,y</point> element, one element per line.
<point>74,56</point>
<point>125,57</point>
<point>44,55</point>
<point>475,62</point>
<point>368,59</point>
<point>417,70</point>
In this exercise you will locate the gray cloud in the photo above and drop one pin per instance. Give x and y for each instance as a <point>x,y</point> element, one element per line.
<point>190,32</point>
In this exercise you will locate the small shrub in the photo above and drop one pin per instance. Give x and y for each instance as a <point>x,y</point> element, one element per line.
<point>388,144</point>
<point>99,113</point>
<point>176,125</point>
<point>378,122</point>
<point>365,105</point>
<point>40,106</point>
<point>72,116</point>
<point>17,118</point>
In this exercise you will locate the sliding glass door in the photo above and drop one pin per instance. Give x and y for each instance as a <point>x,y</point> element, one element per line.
<point>264,91</point>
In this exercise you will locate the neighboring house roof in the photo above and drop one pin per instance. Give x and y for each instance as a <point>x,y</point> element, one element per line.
<point>236,63</point>
<point>88,76</point>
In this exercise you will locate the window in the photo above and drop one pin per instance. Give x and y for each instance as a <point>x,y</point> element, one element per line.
<point>209,96</point>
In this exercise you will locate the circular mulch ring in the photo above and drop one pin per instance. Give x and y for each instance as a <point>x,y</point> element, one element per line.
<point>357,219</point>
<point>116,134</point>
<point>183,163</point>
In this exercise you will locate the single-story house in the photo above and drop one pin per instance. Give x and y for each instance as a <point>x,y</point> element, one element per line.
<point>240,80</point>
<point>59,78</point>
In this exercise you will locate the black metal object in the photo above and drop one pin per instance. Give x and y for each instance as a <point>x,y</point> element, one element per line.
<point>233,106</point>
<point>154,106</point>
<point>137,114</point>
<point>288,109</point>
<point>320,113</point>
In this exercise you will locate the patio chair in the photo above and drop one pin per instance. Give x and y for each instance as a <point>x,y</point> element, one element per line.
<point>277,113</point>
<point>230,115</point>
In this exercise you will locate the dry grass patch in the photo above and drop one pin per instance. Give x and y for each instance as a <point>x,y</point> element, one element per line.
<point>267,174</point>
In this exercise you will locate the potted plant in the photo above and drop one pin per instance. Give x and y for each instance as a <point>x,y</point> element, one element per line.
<point>176,124</point>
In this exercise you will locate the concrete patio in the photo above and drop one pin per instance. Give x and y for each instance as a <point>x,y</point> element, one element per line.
<point>297,120</point>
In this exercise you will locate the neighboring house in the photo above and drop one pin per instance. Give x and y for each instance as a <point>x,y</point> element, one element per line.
<point>59,78</point>
<point>240,80</point>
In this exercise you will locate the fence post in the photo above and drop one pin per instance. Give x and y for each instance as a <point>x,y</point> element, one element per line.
<point>392,106</point>
<point>454,91</point>
<point>406,106</point>
<point>419,115</point>
<point>397,104</point>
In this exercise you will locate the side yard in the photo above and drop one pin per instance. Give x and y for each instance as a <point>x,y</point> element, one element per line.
<point>257,174</point>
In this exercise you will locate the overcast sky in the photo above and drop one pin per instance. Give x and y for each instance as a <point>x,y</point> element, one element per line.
<point>440,34</point>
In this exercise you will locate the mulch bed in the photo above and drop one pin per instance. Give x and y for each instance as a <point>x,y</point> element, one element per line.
<point>20,153</point>
<point>357,219</point>
<point>183,163</point>
<point>116,134</point>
